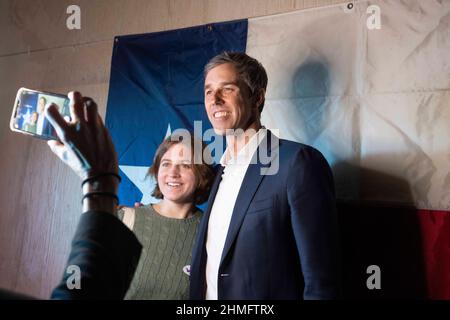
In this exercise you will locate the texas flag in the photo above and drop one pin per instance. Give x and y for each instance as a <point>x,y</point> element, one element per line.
<point>156,87</point>
<point>366,83</point>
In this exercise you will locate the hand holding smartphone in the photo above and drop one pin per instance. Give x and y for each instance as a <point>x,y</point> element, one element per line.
<point>28,113</point>
<point>84,143</point>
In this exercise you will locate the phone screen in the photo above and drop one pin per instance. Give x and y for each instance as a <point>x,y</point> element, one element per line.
<point>28,114</point>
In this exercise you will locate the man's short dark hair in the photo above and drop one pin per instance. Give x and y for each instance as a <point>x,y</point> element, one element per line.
<point>250,71</point>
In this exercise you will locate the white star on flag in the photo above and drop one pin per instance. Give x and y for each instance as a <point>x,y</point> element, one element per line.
<point>26,117</point>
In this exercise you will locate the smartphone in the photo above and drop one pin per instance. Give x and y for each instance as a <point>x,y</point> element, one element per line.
<point>28,113</point>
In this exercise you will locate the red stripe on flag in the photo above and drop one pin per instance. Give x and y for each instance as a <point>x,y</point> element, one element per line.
<point>435,234</point>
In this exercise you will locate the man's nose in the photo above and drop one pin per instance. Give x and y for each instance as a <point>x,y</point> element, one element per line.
<point>217,96</point>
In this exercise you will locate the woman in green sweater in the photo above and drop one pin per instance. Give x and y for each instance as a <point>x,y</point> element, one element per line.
<point>167,229</point>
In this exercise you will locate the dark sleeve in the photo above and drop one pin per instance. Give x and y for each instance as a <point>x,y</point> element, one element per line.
<point>314,221</point>
<point>106,252</point>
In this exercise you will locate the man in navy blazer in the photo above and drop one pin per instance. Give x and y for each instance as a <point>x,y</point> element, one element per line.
<point>270,228</point>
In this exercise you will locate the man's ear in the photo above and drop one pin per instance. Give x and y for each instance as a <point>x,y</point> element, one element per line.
<point>259,99</point>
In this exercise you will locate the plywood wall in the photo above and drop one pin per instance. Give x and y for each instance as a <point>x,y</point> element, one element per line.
<point>39,197</point>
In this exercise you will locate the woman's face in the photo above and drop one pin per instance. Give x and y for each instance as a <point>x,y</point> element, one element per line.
<point>176,178</point>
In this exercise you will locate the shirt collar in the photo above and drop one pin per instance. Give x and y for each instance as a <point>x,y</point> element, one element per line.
<point>245,155</point>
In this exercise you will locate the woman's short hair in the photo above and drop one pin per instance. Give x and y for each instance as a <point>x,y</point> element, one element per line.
<point>203,170</point>
<point>250,71</point>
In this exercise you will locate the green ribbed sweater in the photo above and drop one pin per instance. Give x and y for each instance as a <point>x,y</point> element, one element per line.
<point>166,250</point>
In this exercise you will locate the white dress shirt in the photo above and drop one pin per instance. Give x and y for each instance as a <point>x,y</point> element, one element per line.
<point>40,123</point>
<point>222,209</point>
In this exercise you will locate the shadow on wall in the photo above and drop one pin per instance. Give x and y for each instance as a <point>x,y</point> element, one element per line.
<point>386,235</point>
<point>311,86</point>
<point>372,232</point>
<point>318,116</point>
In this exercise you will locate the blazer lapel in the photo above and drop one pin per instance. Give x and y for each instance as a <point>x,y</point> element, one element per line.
<point>252,179</point>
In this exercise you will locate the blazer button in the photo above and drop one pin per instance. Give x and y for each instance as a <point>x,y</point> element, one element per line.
<point>224,275</point>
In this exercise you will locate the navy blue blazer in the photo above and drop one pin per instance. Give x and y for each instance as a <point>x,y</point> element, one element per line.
<point>282,239</point>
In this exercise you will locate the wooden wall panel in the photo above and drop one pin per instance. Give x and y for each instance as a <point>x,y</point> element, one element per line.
<point>39,196</point>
